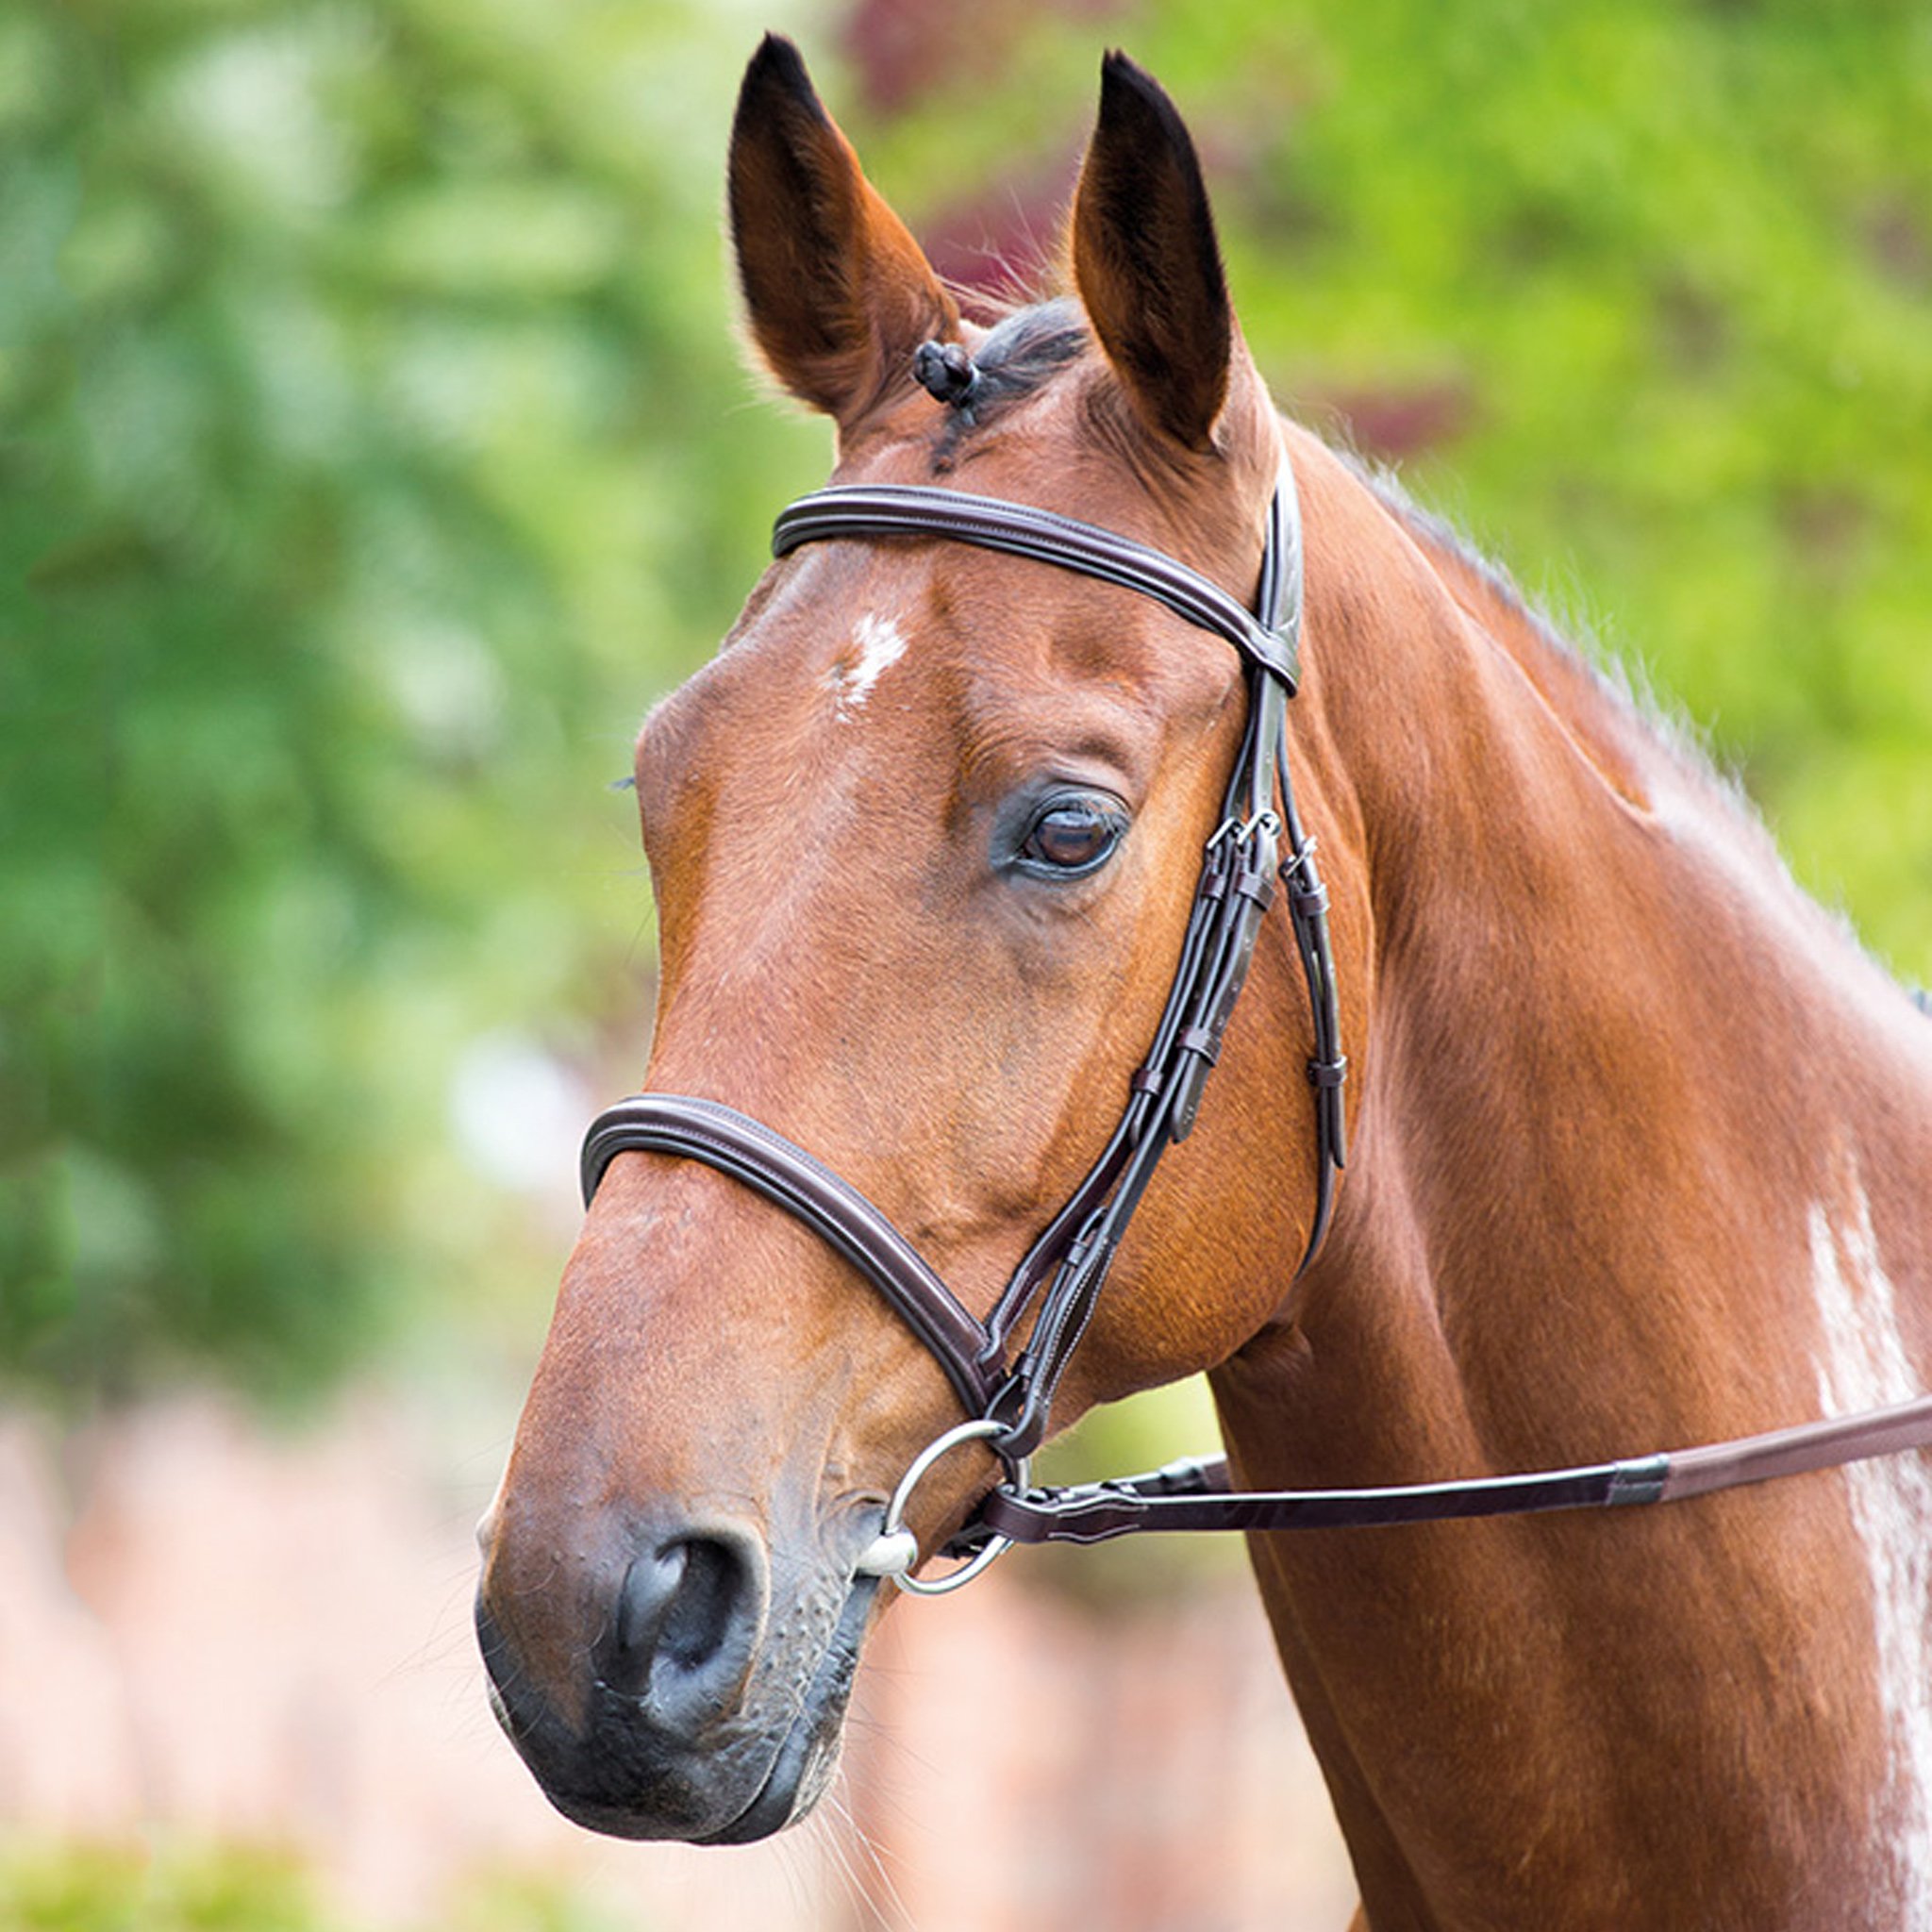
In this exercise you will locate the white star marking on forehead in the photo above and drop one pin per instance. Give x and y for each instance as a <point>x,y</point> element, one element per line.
<point>879,643</point>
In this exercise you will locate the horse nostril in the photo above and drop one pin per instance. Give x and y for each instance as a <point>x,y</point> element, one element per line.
<point>650,1588</point>
<point>699,1615</point>
<point>683,1630</point>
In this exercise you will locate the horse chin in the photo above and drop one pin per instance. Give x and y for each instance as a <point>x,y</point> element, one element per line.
<point>795,1777</point>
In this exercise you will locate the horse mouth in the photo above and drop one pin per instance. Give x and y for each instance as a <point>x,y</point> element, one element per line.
<point>808,1753</point>
<point>795,1777</point>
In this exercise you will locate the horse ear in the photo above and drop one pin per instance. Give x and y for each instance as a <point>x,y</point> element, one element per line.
<point>838,292</point>
<point>1147,262</point>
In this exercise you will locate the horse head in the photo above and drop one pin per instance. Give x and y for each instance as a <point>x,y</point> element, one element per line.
<point>924,838</point>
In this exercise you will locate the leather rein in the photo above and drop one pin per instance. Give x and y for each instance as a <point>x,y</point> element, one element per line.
<point>1007,1390</point>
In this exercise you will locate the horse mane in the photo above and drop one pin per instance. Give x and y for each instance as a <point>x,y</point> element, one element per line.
<point>1606,700</point>
<point>1489,593</point>
<point>1028,344</point>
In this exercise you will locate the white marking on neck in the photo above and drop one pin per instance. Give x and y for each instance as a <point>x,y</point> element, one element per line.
<point>1865,1366</point>
<point>879,643</point>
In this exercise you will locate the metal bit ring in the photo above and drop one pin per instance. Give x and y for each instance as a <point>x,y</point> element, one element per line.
<point>895,1549</point>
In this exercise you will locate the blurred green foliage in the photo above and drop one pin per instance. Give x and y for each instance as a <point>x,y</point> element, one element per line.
<point>372,449</point>
<point>119,1888</point>
<point>173,1886</point>
<point>369,460</point>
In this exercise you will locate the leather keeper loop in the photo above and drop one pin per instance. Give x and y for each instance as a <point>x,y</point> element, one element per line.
<point>1255,883</point>
<point>1203,1041</point>
<point>1328,1072</point>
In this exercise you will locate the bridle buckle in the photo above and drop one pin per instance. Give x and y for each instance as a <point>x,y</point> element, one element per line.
<point>1243,830</point>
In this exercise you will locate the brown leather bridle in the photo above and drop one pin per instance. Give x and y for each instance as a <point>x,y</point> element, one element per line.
<point>1007,1392</point>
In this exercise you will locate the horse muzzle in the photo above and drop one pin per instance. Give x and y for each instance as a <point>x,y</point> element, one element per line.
<point>663,1687</point>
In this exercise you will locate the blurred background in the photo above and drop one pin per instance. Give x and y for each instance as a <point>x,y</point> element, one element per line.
<point>375,447</point>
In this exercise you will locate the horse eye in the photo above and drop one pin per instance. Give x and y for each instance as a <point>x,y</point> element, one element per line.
<point>1071,837</point>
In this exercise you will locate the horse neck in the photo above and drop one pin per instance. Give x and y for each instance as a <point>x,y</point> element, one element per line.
<point>1637,1162</point>
<point>1612,1065</point>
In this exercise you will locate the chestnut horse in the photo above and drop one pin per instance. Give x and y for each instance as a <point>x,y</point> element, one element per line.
<point>1640,1140</point>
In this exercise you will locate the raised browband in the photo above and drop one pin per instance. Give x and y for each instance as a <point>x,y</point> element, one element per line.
<point>881,509</point>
